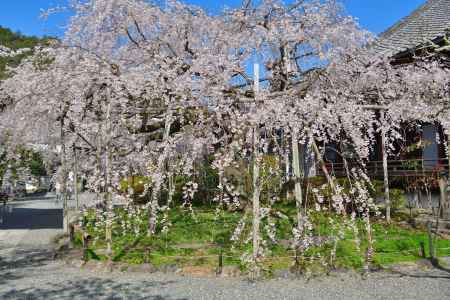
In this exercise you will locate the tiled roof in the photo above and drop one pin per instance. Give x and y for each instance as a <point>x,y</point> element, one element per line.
<point>428,22</point>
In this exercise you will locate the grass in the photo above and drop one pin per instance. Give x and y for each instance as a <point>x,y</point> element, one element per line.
<point>199,240</point>
<point>397,244</point>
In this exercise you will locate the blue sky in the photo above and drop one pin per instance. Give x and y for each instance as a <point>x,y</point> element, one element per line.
<point>23,15</point>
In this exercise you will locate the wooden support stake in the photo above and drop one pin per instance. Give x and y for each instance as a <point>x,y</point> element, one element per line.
<point>422,249</point>
<point>220,268</point>
<point>430,242</point>
<point>86,239</point>
<point>443,197</point>
<point>71,235</point>
<point>75,178</point>
<point>385,174</point>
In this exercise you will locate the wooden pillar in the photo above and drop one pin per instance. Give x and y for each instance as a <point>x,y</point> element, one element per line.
<point>444,185</point>
<point>446,204</point>
<point>443,197</point>
<point>385,171</point>
<point>75,178</point>
<point>108,167</point>
<point>298,166</point>
<point>255,198</point>
<point>256,183</point>
<point>64,177</point>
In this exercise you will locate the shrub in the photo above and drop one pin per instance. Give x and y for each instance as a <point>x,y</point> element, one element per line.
<point>137,184</point>
<point>398,198</point>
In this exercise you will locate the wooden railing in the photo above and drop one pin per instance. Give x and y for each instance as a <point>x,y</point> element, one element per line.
<point>396,168</point>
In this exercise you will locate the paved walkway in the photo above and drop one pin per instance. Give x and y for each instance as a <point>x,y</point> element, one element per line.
<point>29,223</point>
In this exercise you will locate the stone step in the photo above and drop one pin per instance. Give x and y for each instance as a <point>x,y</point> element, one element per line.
<point>444,225</point>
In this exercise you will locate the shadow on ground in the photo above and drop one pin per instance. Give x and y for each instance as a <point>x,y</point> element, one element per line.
<point>420,275</point>
<point>434,269</point>
<point>16,217</point>
<point>21,260</point>
<point>92,289</point>
<point>24,262</point>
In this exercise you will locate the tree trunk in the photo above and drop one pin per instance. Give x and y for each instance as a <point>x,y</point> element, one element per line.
<point>322,164</point>
<point>153,207</point>
<point>171,185</point>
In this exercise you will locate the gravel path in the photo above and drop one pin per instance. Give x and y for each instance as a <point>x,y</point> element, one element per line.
<point>27,271</point>
<point>38,278</point>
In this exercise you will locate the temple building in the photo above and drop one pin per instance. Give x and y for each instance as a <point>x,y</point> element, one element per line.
<point>421,156</point>
<point>426,30</point>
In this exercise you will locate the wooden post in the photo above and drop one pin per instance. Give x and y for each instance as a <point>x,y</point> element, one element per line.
<point>109,204</point>
<point>64,177</point>
<point>430,242</point>
<point>86,239</point>
<point>220,268</point>
<point>385,171</point>
<point>445,205</point>
<point>256,196</point>
<point>75,177</point>
<point>298,166</point>
<point>71,235</point>
<point>422,250</point>
<point>287,169</point>
<point>443,196</point>
<point>256,181</point>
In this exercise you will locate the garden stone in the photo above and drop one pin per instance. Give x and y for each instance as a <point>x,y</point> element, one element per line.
<point>198,271</point>
<point>76,263</point>
<point>142,268</point>
<point>284,274</point>
<point>230,271</point>
<point>169,269</point>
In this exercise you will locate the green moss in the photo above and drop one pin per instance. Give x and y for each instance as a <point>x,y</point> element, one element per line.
<point>199,240</point>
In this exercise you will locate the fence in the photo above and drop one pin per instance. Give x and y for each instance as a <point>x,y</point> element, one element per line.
<point>395,168</point>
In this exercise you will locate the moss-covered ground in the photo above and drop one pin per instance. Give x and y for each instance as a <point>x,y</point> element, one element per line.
<point>200,239</point>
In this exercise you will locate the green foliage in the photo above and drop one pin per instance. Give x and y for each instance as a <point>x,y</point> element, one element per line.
<point>398,198</point>
<point>270,176</point>
<point>207,179</point>
<point>33,160</point>
<point>29,159</point>
<point>137,184</point>
<point>396,195</point>
<point>15,41</point>
<point>241,175</point>
<point>411,165</point>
